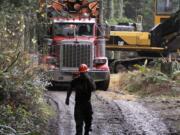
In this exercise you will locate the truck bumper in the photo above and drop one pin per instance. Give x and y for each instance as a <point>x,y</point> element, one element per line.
<point>67,77</point>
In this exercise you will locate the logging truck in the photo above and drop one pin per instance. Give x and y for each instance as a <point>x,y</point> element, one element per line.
<point>75,37</point>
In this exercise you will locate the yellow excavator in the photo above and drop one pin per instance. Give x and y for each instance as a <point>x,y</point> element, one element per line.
<point>161,39</point>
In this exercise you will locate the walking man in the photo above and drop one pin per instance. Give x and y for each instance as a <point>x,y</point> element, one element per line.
<point>83,86</point>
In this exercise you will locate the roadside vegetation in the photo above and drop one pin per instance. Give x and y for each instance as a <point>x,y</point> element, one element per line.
<point>151,81</point>
<point>23,108</point>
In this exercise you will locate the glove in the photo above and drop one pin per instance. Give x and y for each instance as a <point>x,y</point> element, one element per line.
<point>67,101</point>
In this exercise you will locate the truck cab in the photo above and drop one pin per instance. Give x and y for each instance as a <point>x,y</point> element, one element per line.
<point>75,40</point>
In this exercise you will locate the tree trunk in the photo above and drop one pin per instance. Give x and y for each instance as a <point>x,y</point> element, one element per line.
<point>101,14</point>
<point>118,6</point>
<point>110,9</point>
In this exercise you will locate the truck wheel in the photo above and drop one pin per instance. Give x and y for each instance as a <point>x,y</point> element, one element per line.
<point>55,86</point>
<point>119,68</point>
<point>52,86</point>
<point>103,85</point>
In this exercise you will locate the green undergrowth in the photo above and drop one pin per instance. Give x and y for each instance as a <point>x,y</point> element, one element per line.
<point>115,21</point>
<point>23,107</point>
<point>151,82</point>
<point>22,103</point>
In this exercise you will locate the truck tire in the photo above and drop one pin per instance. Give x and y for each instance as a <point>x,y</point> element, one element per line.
<point>51,87</point>
<point>55,86</point>
<point>119,68</point>
<point>103,85</point>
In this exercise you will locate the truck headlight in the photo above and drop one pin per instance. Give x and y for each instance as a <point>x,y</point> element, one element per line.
<point>100,61</point>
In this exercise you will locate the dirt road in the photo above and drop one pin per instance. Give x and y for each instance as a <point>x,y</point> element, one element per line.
<point>112,116</point>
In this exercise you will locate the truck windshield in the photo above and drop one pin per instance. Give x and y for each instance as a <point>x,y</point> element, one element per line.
<point>166,7</point>
<point>72,29</point>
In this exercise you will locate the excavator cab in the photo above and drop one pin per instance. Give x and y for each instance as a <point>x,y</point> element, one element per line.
<point>164,9</point>
<point>166,33</point>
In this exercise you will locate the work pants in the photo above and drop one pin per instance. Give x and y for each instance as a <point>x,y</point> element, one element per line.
<point>83,115</point>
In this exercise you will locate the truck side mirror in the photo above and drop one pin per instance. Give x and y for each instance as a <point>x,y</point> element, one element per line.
<point>50,31</point>
<point>101,30</point>
<point>47,40</point>
<point>107,31</point>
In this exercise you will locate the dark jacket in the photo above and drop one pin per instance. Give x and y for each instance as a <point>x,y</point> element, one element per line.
<point>83,86</point>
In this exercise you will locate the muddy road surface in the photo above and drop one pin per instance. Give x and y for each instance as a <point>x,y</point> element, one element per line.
<point>112,116</point>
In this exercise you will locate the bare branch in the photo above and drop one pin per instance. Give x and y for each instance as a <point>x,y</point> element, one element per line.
<point>7,69</point>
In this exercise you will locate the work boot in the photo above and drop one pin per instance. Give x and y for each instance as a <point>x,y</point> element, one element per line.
<point>88,132</point>
<point>78,133</point>
<point>90,129</point>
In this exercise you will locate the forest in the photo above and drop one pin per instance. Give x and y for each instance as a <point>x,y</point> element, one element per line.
<point>23,103</point>
<point>127,11</point>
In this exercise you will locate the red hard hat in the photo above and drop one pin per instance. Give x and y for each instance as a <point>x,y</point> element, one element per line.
<point>83,68</point>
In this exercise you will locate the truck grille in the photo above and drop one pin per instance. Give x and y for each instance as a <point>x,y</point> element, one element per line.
<point>72,55</point>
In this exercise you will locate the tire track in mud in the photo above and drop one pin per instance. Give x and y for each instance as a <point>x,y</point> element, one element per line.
<point>66,122</point>
<point>132,118</point>
<point>108,119</point>
<point>145,122</point>
<point>111,117</point>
